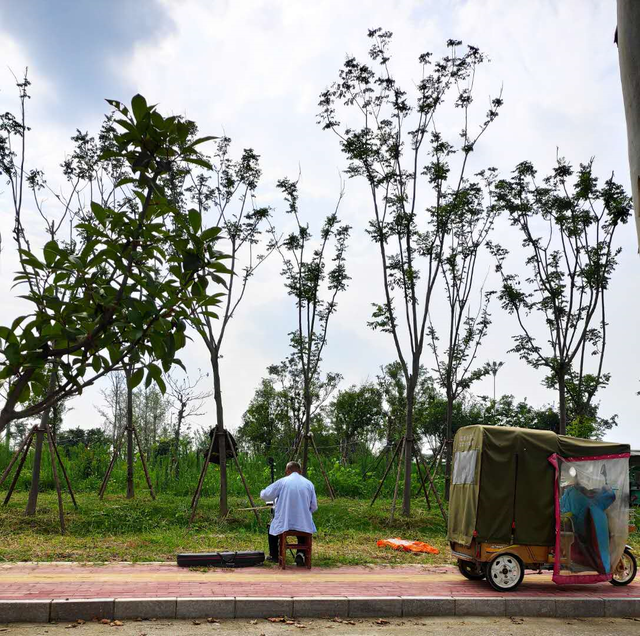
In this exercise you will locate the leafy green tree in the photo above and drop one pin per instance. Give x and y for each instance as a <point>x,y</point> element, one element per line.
<point>432,422</point>
<point>356,413</point>
<point>568,223</point>
<point>391,383</point>
<point>83,437</point>
<point>507,412</point>
<point>226,192</point>
<point>418,195</point>
<point>307,280</point>
<point>466,328</point>
<point>266,422</point>
<point>98,298</point>
<point>123,285</point>
<point>275,417</point>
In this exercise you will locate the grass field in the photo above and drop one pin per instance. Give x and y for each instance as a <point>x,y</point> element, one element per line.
<point>144,530</point>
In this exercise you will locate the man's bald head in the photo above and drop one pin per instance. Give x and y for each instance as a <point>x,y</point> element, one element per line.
<point>293,467</point>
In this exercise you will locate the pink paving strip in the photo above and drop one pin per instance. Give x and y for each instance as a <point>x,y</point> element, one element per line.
<point>71,581</point>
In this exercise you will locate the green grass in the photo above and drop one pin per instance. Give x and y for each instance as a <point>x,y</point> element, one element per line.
<point>144,530</point>
<point>118,529</point>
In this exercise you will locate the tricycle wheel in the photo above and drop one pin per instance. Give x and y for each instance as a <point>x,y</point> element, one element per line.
<point>505,572</point>
<point>471,570</point>
<point>626,569</point>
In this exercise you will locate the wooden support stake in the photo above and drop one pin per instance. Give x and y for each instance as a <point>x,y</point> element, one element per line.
<point>296,448</point>
<point>114,457</point>
<point>383,452</point>
<point>56,481</point>
<point>435,463</point>
<point>64,473</point>
<point>7,470</point>
<point>422,484</point>
<point>395,490</point>
<point>203,473</point>
<point>386,471</point>
<point>25,453</point>
<point>433,486</point>
<point>144,462</point>
<point>324,474</point>
<point>244,483</point>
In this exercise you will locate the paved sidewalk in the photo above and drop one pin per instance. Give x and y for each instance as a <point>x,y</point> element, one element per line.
<point>53,592</point>
<point>149,580</point>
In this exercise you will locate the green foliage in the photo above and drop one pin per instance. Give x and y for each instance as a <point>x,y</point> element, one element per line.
<point>116,529</point>
<point>313,287</point>
<point>567,222</point>
<point>356,413</point>
<point>137,270</point>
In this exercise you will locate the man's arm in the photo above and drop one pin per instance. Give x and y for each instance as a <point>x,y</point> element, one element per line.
<point>313,504</point>
<point>271,492</point>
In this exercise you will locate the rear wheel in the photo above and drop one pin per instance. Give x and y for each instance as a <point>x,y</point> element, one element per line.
<point>626,569</point>
<point>505,572</point>
<point>471,570</point>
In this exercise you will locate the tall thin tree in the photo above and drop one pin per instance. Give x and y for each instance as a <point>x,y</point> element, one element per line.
<point>405,159</point>
<point>308,280</point>
<point>227,192</point>
<point>567,223</point>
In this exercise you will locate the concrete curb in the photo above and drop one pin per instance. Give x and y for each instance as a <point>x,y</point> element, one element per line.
<point>43,611</point>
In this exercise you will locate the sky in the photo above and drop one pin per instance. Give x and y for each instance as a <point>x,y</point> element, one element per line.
<point>253,70</point>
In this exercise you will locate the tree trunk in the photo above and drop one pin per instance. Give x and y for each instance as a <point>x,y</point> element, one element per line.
<point>176,443</point>
<point>408,442</point>
<point>37,458</point>
<point>7,438</point>
<point>562,396</point>
<point>217,394</point>
<point>629,58</point>
<point>307,428</point>
<point>130,490</point>
<point>448,446</point>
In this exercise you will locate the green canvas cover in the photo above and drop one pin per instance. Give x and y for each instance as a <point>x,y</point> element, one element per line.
<point>510,494</point>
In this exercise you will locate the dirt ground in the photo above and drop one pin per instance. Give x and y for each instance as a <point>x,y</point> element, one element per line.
<point>359,627</point>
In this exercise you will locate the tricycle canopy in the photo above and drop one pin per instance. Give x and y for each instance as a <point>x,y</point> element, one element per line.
<point>503,486</point>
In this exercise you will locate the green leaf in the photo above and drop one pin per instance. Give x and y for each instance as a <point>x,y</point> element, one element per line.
<point>125,181</point>
<point>25,395</point>
<point>12,353</point>
<point>17,322</point>
<point>161,385</point>
<point>201,140</point>
<point>195,220</point>
<point>50,252</point>
<point>136,378</point>
<point>154,371</point>
<point>199,162</point>
<point>99,212</point>
<point>139,107</point>
<point>210,233</point>
<point>96,363</point>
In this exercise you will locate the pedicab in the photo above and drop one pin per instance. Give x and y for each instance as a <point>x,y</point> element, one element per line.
<point>524,499</point>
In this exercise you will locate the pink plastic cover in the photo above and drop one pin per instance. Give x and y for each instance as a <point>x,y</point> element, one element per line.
<point>591,512</point>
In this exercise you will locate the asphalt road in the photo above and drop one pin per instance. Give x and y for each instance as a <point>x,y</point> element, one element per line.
<point>359,627</point>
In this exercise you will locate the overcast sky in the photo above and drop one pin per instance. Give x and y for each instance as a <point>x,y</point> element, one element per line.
<point>254,69</point>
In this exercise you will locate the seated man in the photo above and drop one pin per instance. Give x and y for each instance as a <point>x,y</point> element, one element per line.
<point>295,503</point>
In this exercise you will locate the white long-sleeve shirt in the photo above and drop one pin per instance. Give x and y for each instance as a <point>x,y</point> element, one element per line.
<point>295,503</point>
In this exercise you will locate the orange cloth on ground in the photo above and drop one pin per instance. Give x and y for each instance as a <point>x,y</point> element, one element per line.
<point>407,546</point>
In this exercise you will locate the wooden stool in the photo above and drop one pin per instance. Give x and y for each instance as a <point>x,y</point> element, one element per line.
<point>303,547</point>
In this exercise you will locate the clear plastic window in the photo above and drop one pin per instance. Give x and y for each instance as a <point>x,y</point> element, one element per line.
<point>593,497</point>
<point>464,467</point>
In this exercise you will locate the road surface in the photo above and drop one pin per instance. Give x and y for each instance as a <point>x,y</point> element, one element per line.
<point>357,627</point>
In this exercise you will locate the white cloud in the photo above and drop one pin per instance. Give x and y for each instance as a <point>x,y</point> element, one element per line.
<point>255,69</point>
